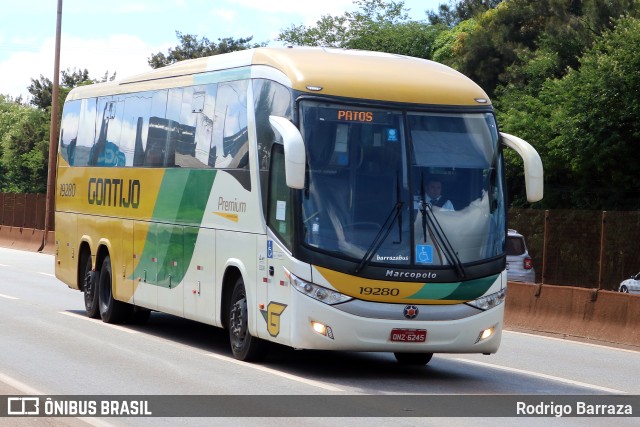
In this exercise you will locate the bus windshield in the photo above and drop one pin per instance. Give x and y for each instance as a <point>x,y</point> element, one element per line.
<point>399,187</point>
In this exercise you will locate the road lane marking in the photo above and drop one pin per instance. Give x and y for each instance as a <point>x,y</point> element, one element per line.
<point>18,385</point>
<point>544,376</point>
<point>7,297</point>
<point>276,372</point>
<point>99,322</point>
<point>30,391</point>
<point>47,274</point>
<point>571,341</point>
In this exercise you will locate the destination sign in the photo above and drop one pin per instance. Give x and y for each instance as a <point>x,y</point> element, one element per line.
<point>350,115</point>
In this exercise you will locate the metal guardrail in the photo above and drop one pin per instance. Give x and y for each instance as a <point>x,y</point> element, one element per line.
<point>589,249</point>
<point>23,210</point>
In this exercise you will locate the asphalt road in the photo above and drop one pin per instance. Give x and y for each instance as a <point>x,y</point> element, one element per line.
<point>48,347</point>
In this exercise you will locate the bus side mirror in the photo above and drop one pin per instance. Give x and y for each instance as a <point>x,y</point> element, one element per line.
<point>295,157</point>
<point>533,171</point>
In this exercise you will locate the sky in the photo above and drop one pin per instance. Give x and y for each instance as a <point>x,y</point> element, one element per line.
<point>120,35</point>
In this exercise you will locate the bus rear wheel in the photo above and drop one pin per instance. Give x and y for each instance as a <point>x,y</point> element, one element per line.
<point>415,359</point>
<point>90,290</point>
<point>111,310</point>
<point>244,346</point>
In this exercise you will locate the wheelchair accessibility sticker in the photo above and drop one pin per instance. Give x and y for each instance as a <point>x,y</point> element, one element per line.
<point>424,254</point>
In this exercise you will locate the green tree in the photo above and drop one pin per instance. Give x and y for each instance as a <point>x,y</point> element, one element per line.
<point>24,132</point>
<point>24,147</point>
<point>586,125</point>
<point>449,42</point>
<point>377,25</point>
<point>42,88</point>
<point>191,47</point>
<point>507,37</point>
<point>453,13</point>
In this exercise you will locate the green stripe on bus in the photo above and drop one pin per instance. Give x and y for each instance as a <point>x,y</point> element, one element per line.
<point>460,291</point>
<point>182,200</point>
<point>183,196</point>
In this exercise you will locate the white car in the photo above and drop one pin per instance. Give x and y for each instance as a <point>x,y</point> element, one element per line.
<point>631,285</point>
<point>519,263</point>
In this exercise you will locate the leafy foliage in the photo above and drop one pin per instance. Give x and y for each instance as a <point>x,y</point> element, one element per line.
<point>42,89</point>
<point>191,47</point>
<point>24,147</point>
<point>563,75</point>
<point>378,25</point>
<point>453,13</point>
<point>586,125</point>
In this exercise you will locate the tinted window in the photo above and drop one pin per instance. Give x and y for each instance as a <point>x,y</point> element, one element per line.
<point>515,245</point>
<point>194,127</point>
<point>189,123</point>
<point>270,99</point>
<point>69,130</point>
<point>135,126</point>
<point>86,132</point>
<point>105,151</point>
<point>230,142</point>
<point>280,216</point>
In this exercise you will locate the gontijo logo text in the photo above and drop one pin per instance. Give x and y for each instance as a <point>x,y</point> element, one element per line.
<point>114,192</point>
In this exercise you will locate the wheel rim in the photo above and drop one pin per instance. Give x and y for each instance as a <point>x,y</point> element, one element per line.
<point>89,290</point>
<point>238,322</point>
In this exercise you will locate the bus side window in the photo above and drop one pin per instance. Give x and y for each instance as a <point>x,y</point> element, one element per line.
<point>270,98</point>
<point>279,215</point>
<point>69,131</point>
<point>86,132</point>
<point>137,109</point>
<point>230,142</point>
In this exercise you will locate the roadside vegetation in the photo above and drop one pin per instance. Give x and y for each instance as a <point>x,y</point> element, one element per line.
<point>562,74</point>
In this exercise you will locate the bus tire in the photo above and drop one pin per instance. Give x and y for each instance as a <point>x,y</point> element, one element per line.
<point>111,310</point>
<point>90,290</point>
<point>414,359</point>
<point>244,346</point>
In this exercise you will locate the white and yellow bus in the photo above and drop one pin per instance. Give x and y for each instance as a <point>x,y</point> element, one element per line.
<point>284,194</point>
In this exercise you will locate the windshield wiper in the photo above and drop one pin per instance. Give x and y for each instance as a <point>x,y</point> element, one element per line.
<point>381,236</point>
<point>438,235</point>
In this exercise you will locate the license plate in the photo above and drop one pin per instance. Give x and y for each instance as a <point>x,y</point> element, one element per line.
<point>408,335</point>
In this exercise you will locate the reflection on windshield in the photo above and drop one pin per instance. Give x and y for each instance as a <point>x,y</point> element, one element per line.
<point>364,163</point>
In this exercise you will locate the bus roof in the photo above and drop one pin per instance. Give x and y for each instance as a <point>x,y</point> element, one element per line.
<point>339,72</point>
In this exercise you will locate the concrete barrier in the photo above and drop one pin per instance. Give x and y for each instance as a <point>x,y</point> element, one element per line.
<point>577,312</point>
<point>49,244</point>
<point>587,313</point>
<point>27,239</point>
<point>6,239</point>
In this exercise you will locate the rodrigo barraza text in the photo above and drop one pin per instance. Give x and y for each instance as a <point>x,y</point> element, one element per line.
<point>578,408</point>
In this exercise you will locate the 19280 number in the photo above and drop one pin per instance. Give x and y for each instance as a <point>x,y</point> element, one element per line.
<point>67,190</point>
<point>394,292</point>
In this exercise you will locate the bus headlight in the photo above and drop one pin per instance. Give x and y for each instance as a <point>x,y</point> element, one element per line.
<point>316,292</point>
<point>489,301</point>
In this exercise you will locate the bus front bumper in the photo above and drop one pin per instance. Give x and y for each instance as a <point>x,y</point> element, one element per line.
<point>315,325</point>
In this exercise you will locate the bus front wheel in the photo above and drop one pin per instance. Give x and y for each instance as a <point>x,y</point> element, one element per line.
<point>416,359</point>
<point>111,310</point>
<point>244,346</point>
